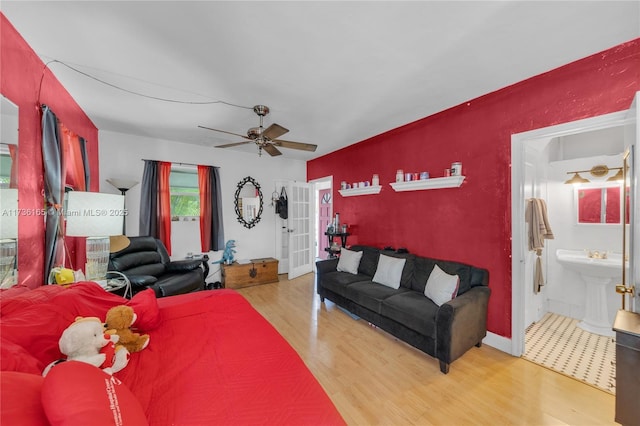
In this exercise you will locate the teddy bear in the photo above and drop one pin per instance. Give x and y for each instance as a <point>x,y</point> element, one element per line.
<point>85,340</point>
<point>119,320</point>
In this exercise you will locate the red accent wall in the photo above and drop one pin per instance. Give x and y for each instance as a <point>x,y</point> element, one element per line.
<point>21,71</point>
<point>472,224</point>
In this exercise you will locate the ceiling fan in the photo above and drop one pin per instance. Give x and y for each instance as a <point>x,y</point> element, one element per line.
<point>265,139</point>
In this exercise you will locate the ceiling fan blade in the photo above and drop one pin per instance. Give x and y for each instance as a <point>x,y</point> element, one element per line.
<point>228,145</point>
<point>224,131</point>
<point>274,131</point>
<point>295,145</point>
<point>271,150</point>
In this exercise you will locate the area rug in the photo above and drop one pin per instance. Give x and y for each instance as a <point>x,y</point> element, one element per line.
<point>556,342</point>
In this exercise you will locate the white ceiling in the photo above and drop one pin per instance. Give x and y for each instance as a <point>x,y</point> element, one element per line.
<point>333,73</point>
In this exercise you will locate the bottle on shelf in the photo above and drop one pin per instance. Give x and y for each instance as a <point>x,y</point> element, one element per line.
<point>399,175</point>
<point>375,180</point>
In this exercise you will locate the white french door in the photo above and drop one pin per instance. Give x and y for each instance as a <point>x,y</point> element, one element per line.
<point>300,228</point>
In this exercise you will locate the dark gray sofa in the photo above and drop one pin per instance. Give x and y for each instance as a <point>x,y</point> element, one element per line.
<point>445,332</point>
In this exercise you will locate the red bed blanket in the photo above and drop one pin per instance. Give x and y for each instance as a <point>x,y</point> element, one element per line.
<point>212,358</point>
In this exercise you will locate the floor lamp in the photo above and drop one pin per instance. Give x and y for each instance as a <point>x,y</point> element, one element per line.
<point>96,216</point>
<point>123,185</point>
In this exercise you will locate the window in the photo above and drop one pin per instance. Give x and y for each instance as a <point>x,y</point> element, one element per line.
<point>185,198</point>
<point>5,171</point>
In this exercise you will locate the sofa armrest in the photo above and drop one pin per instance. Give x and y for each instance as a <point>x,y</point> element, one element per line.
<point>461,323</point>
<point>327,265</point>
<point>183,265</point>
<point>141,281</point>
<point>323,267</point>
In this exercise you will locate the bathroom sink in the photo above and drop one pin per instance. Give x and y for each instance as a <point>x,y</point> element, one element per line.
<point>578,261</point>
<point>598,276</point>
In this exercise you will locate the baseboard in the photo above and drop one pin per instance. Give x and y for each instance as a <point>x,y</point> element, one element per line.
<point>499,342</point>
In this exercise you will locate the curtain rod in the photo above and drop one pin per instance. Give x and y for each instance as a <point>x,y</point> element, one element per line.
<point>180,164</point>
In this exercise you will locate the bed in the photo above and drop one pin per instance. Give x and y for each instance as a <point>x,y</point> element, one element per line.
<point>212,359</point>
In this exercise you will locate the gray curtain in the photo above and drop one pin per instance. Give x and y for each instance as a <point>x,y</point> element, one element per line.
<point>53,189</point>
<point>85,163</point>
<point>217,232</point>
<point>149,200</point>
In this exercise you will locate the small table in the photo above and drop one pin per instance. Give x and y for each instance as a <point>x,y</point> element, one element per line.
<point>343,242</point>
<point>257,271</point>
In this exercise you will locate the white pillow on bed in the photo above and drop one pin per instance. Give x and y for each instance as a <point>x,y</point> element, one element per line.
<point>349,261</point>
<point>389,271</point>
<point>441,287</point>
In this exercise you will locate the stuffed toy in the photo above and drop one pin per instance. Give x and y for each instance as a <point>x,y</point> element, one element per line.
<point>227,254</point>
<point>86,341</point>
<point>119,320</point>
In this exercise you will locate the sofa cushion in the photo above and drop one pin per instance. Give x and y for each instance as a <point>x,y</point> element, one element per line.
<point>479,277</point>
<point>424,266</point>
<point>369,261</point>
<point>389,271</point>
<point>140,263</point>
<point>409,266</point>
<point>349,261</point>
<point>337,282</point>
<point>441,287</point>
<point>412,310</point>
<point>370,295</point>
<point>180,282</point>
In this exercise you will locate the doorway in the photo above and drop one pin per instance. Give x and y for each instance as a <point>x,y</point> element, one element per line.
<point>323,195</point>
<point>325,208</point>
<point>545,326</point>
<point>522,146</point>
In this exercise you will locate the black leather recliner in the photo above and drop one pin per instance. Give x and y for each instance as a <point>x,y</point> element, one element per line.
<point>146,263</point>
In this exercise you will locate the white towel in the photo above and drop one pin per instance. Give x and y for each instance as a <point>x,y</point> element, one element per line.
<point>539,230</point>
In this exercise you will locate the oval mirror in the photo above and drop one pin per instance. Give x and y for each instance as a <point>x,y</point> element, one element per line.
<point>248,202</point>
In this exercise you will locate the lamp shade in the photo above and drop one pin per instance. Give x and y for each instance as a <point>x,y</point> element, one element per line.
<point>94,214</point>
<point>122,184</point>
<point>577,179</point>
<point>618,177</point>
<point>9,219</point>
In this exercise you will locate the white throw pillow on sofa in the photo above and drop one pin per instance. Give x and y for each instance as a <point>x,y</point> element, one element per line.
<point>441,287</point>
<point>349,261</point>
<point>389,271</point>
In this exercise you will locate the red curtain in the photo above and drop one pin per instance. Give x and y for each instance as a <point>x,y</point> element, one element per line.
<point>13,153</point>
<point>74,164</point>
<point>205,207</point>
<point>164,204</point>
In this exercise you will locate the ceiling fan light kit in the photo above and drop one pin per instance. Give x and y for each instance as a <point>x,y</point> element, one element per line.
<point>265,139</point>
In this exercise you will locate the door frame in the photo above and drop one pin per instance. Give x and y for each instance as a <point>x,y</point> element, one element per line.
<point>518,228</point>
<point>325,182</point>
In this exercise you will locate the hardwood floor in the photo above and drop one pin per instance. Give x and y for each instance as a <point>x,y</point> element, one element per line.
<point>375,379</point>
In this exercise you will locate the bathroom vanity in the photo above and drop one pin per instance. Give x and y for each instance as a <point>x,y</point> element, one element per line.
<point>627,328</point>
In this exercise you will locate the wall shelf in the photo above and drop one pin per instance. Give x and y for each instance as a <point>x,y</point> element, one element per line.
<point>434,183</point>
<point>360,191</point>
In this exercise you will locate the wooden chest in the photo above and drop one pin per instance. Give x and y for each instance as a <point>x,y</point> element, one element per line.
<point>259,271</point>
